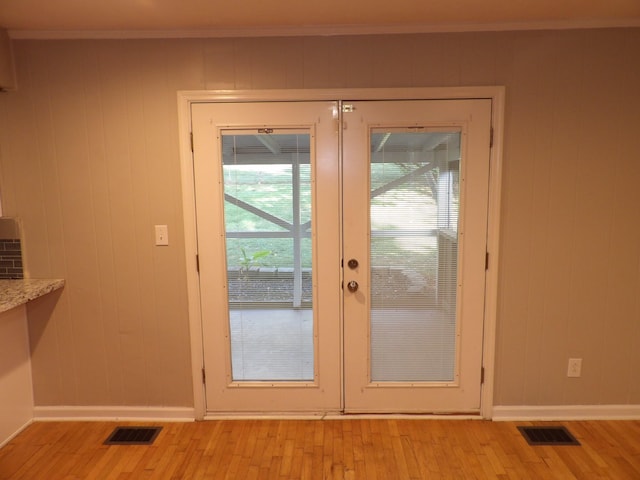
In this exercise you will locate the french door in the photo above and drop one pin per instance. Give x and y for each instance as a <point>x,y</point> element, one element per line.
<point>342,254</point>
<point>415,199</point>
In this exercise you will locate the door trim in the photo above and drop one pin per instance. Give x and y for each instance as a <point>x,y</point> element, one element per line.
<point>186,98</point>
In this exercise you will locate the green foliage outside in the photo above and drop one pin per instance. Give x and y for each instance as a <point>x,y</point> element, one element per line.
<point>269,188</point>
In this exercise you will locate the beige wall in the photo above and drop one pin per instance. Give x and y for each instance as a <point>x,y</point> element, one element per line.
<point>16,394</point>
<point>89,160</point>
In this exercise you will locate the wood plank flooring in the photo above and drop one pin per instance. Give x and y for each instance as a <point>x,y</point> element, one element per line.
<point>323,449</point>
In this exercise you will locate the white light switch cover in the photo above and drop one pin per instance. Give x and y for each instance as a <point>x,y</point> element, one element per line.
<point>162,235</point>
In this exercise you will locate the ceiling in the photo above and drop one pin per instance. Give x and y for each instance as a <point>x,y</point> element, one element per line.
<point>25,18</point>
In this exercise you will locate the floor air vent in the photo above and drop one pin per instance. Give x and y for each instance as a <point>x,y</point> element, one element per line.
<point>133,436</point>
<point>548,436</point>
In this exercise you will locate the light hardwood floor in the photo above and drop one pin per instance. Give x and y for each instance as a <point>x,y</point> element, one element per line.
<point>323,449</point>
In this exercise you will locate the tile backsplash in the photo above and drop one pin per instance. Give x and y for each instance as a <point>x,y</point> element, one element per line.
<point>10,249</point>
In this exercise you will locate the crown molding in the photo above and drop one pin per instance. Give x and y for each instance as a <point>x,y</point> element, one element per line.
<point>319,30</point>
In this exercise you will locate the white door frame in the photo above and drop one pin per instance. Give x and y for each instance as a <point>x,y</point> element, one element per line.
<point>186,98</point>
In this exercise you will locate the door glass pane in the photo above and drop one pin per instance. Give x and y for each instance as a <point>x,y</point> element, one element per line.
<point>414,223</point>
<point>267,211</point>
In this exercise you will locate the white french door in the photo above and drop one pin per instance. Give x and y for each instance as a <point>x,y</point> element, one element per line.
<point>416,179</point>
<point>342,255</point>
<point>267,185</point>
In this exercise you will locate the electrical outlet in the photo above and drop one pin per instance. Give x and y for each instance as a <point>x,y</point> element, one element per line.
<point>575,367</point>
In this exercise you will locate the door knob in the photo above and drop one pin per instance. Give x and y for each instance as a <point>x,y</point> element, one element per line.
<point>352,286</point>
<point>353,264</point>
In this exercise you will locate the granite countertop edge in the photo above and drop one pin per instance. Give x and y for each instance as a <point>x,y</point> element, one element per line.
<point>14,293</point>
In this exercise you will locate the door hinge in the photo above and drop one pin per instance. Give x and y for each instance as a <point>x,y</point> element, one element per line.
<point>197,263</point>
<point>204,376</point>
<point>481,375</point>
<point>486,261</point>
<point>348,108</point>
<point>191,140</point>
<point>491,137</point>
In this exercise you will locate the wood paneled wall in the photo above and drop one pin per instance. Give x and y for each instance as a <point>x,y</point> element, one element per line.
<point>89,160</point>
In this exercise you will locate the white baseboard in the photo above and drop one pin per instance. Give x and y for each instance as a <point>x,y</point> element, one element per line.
<point>4,441</point>
<point>169,414</point>
<point>565,412</point>
<point>109,413</point>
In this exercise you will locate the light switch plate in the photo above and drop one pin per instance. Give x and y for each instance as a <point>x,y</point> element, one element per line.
<point>162,235</point>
